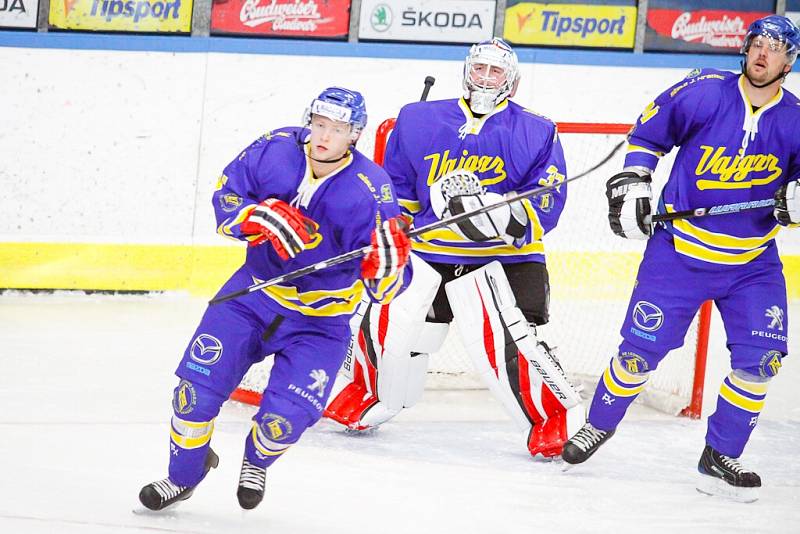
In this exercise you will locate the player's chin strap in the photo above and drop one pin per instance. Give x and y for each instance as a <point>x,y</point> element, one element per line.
<point>302,144</point>
<point>781,76</point>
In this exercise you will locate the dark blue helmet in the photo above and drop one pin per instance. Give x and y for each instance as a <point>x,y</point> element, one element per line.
<point>342,105</point>
<point>780,30</point>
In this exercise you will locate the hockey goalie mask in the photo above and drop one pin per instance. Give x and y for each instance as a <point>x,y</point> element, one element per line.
<point>491,73</point>
<point>340,105</point>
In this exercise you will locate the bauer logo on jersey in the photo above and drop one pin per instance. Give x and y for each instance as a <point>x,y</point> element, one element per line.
<point>775,314</point>
<point>275,427</point>
<point>185,398</point>
<point>206,349</point>
<point>647,316</point>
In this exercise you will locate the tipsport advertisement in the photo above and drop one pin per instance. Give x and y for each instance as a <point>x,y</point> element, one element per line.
<point>122,15</point>
<point>584,24</point>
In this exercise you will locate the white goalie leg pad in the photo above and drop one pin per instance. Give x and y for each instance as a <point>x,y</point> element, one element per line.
<point>504,349</point>
<point>394,330</point>
<point>380,376</point>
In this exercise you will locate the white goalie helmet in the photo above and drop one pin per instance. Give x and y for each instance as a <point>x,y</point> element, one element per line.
<point>485,87</point>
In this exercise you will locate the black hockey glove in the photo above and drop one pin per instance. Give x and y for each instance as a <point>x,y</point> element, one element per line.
<point>629,200</point>
<point>787,204</point>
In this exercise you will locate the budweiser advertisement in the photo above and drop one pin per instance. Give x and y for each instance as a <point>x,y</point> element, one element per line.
<point>18,13</point>
<point>329,19</point>
<point>706,27</point>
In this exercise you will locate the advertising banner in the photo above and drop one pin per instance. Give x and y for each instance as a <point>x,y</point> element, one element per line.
<point>701,26</point>
<point>584,24</point>
<point>447,21</point>
<point>302,18</point>
<point>122,15</point>
<point>18,13</point>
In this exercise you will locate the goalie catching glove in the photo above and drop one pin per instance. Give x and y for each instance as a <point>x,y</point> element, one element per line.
<point>787,204</point>
<point>460,191</point>
<point>629,204</point>
<point>282,225</point>
<point>389,252</point>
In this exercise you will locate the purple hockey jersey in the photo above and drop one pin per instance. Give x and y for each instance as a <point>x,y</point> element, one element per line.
<point>346,205</point>
<point>511,149</point>
<point>729,153</point>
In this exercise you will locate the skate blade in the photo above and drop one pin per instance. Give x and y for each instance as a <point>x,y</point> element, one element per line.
<point>169,511</point>
<point>716,487</point>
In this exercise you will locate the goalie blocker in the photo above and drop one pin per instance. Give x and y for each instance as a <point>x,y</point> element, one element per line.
<point>385,371</point>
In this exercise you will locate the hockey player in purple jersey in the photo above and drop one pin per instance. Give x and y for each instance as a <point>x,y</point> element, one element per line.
<point>739,139</point>
<point>445,158</point>
<point>298,196</point>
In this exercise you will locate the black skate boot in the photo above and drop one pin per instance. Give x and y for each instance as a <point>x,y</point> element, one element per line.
<point>724,476</point>
<point>162,493</point>
<point>251,485</point>
<point>582,445</point>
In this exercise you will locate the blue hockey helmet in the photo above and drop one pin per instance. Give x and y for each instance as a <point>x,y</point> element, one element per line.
<point>342,105</point>
<point>780,31</point>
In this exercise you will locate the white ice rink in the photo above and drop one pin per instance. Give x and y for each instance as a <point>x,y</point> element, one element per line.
<point>85,390</point>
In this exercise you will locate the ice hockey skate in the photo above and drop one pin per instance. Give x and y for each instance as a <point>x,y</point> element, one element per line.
<point>724,476</point>
<point>163,493</point>
<point>252,480</point>
<point>585,443</point>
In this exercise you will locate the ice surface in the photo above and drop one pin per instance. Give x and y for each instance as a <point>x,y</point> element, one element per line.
<point>85,387</point>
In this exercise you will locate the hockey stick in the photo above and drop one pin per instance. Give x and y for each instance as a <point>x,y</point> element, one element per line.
<point>429,81</point>
<point>721,209</point>
<point>353,254</point>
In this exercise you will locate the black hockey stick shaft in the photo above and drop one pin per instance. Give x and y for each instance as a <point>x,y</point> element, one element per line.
<point>721,209</point>
<point>429,81</point>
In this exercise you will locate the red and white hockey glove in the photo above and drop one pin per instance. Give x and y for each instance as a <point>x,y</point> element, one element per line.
<point>389,252</point>
<point>284,226</point>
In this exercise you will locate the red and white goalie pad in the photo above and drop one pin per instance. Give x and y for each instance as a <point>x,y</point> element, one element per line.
<point>380,376</point>
<point>518,370</point>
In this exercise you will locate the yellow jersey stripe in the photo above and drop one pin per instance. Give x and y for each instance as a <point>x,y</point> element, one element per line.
<point>740,401</point>
<point>754,388</point>
<point>620,390</point>
<point>721,240</point>
<point>496,250</point>
<point>699,252</point>
<point>637,148</point>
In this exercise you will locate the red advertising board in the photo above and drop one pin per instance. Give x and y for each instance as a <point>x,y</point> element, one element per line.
<point>300,18</point>
<point>702,30</point>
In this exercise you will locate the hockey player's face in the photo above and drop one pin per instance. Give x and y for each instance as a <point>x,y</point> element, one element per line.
<point>766,59</point>
<point>329,139</point>
<point>487,76</point>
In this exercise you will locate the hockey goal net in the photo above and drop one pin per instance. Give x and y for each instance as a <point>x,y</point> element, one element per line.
<point>592,273</point>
